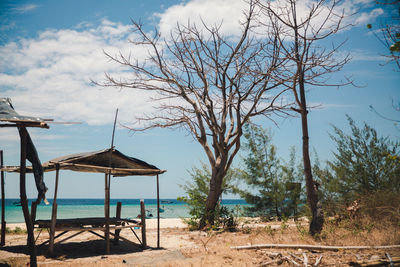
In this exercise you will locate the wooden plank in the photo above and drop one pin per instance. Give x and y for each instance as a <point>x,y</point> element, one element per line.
<point>71,236</point>
<point>25,124</point>
<point>143,219</point>
<point>3,212</point>
<point>112,170</point>
<point>125,239</point>
<point>47,241</point>
<point>81,222</point>
<point>92,228</point>
<point>96,234</point>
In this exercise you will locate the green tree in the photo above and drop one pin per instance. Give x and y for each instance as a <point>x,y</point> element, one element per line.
<point>328,187</point>
<point>364,162</point>
<point>263,174</point>
<point>197,190</point>
<point>292,173</point>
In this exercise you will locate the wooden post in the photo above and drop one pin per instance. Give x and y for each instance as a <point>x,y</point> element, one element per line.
<point>107,212</point>
<point>158,213</point>
<point>118,216</point>
<point>33,212</point>
<point>3,212</point>
<point>24,199</point>
<point>54,213</point>
<point>143,221</point>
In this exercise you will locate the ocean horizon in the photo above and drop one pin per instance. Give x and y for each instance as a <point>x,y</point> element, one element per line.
<point>94,207</point>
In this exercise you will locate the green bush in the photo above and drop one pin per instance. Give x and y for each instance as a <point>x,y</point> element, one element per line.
<point>197,191</point>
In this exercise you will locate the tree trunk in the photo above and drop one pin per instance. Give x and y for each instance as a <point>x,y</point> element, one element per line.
<point>214,194</point>
<point>317,220</point>
<point>24,199</point>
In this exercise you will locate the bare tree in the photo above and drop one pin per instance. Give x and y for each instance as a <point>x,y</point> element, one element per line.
<point>299,34</point>
<point>209,84</point>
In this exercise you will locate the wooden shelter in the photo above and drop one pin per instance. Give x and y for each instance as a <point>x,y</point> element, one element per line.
<point>111,162</point>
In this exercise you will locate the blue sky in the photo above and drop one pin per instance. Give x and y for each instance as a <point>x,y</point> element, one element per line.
<point>51,50</point>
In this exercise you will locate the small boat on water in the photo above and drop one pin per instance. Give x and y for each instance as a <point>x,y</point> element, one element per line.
<point>167,202</point>
<point>149,215</point>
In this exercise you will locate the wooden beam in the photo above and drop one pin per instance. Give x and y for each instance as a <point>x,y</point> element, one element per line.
<point>69,237</point>
<point>25,124</point>
<point>113,170</point>
<point>100,228</point>
<point>3,211</point>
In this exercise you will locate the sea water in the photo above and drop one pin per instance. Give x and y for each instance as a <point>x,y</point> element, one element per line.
<point>81,208</point>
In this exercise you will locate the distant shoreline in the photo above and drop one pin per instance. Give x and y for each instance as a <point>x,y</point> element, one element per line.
<point>84,207</point>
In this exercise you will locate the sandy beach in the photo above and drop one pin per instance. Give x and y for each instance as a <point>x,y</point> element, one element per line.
<point>181,247</point>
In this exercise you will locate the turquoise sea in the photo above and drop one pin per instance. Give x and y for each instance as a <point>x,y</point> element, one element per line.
<point>76,208</point>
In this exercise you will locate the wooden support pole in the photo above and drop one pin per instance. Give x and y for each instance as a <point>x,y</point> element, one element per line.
<point>143,220</point>
<point>24,199</point>
<point>118,216</point>
<point>33,212</point>
<point>3,212</point>
<point>107,211</point>
<point>54,214</point>
<point>158,213</point>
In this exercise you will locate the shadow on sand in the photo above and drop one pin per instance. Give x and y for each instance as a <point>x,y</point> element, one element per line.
<point>74,250</point>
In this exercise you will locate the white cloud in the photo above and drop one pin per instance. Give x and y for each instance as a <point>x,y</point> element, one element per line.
<point>212,12</point>
<point>325,106</point>
<point>230,12</point>
<point>364,55</point>
<point>25,8</point>
<point>368,17</point>
<point>50,76</point>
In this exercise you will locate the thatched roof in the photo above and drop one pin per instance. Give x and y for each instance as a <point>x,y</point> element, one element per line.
<point>99,162</point>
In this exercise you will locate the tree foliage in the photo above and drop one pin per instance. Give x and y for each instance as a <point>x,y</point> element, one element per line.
<point>274,188</point>
<point>364,163</point>
<point>197,190</point>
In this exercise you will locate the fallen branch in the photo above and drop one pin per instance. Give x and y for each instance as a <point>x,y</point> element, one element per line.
<point>390,259</point>
<point>291,260</point>
<point>294,256</point>
<point>305,259</point>
<point>268,263</point>
<point>318,261</point>
<point>317,247</point>
<point>395,261</point>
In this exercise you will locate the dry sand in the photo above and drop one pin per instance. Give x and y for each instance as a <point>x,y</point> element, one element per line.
<point>180,247</point>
